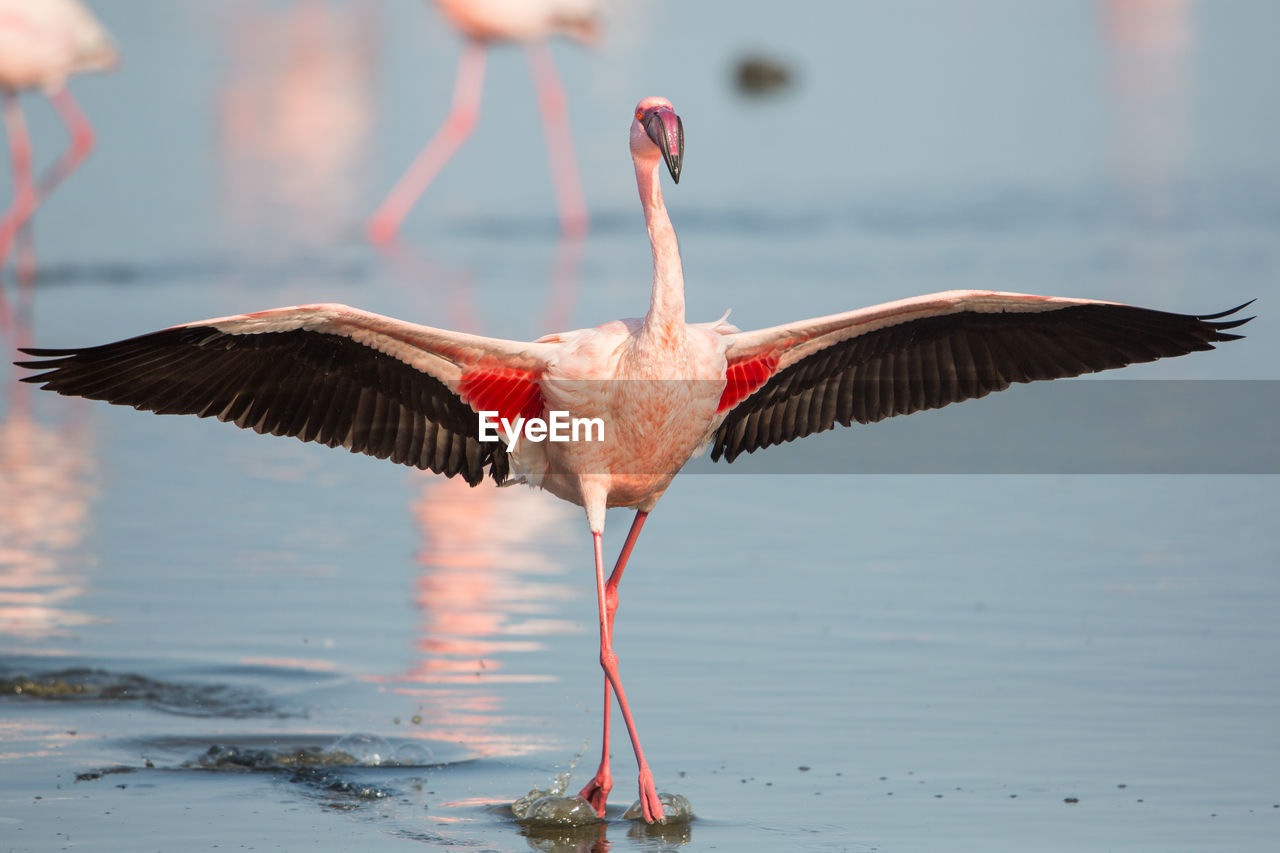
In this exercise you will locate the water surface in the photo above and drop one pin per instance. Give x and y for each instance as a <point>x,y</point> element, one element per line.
<point>202,629</point>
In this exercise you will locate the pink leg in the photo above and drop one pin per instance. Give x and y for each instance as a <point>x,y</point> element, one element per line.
<point>82,141</point>
<point>597,790</point>
<point>25,266</point>
<point>468,88</point>
<point>24,190</point>
<point>649,803</point>
<point>28,195</point>
<point>555,126</point>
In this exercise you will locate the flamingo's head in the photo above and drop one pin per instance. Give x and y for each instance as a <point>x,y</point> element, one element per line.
<point>657,131</point>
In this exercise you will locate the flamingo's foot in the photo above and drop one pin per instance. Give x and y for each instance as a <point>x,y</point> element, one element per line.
<point>650,805</point>
<point>596,792</point>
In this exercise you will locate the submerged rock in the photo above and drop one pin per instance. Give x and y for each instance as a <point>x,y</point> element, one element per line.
<point>101,686</point>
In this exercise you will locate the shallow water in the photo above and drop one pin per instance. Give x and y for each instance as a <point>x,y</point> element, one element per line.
<point>211,638</point>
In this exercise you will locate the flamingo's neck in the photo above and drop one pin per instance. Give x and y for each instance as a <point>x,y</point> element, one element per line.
<point>666,306</point>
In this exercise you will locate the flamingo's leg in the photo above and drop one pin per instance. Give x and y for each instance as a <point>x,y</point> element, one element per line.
<point>24,190</point>
<point>24,264</point>
<point>467,91</point>
<point>555,125</point>
<point>597,790</point>
<point>609,662</point>
<point>82,141</point>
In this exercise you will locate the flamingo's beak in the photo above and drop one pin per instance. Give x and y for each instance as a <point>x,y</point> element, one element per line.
<point>667,132</point>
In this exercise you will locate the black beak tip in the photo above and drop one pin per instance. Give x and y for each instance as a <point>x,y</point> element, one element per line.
<point>672,150</point>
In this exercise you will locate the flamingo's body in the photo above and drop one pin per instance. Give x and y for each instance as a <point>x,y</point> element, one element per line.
<point>42,43</point>
<point>483,22</point>
<point>663,387</point>
<point>521,20</point>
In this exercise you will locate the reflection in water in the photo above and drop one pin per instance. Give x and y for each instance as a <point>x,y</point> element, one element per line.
<point>47,480</point>
<point>295,116</point>
<point>484,595</point>
<point>1150,43</point>
<point>483,590</point>
<point>29,739</point>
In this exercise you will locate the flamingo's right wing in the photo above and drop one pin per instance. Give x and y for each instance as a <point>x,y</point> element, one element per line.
<point>325,373</point>
<point>794,380</point>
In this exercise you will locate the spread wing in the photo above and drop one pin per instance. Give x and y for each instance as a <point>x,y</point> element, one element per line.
<point>897,358</point>
<point>324,373</point>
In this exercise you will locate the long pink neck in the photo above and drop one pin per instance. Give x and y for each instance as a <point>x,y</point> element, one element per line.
<point>666,305</point>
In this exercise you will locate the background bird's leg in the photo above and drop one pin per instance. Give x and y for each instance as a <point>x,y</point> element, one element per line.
<point>24,190</point>
<point>24,263</point>
<point>555,126</point>
<point>82,141</point>
<point>461,120</point>
<point>609,662</point>
<point>597,790</point>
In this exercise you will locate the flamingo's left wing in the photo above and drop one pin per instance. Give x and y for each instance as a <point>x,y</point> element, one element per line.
<point>790,381</point>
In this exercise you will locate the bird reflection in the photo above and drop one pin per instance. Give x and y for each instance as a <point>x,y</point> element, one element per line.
<point>295,116</point>
<point>484,594</point>
<point>487,588</point>
<point>572,839</point>
<point>47,483</point>
<point>1150,44</point>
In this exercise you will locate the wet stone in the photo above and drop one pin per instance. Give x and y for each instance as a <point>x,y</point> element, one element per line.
<point>325,781</point>
<point>94,775</point>
<point>96,685</point>
<point>219,757</point>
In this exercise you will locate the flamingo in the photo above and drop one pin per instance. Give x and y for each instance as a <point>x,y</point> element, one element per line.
<point>665,388</point>
<point>42,43</point>
<point>484,22</point>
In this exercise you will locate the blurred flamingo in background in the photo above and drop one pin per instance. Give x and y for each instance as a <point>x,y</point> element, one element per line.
<point>483,22</point>
<point>664,388</point>
<point>1150,81</point>
<point>42,43</point>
